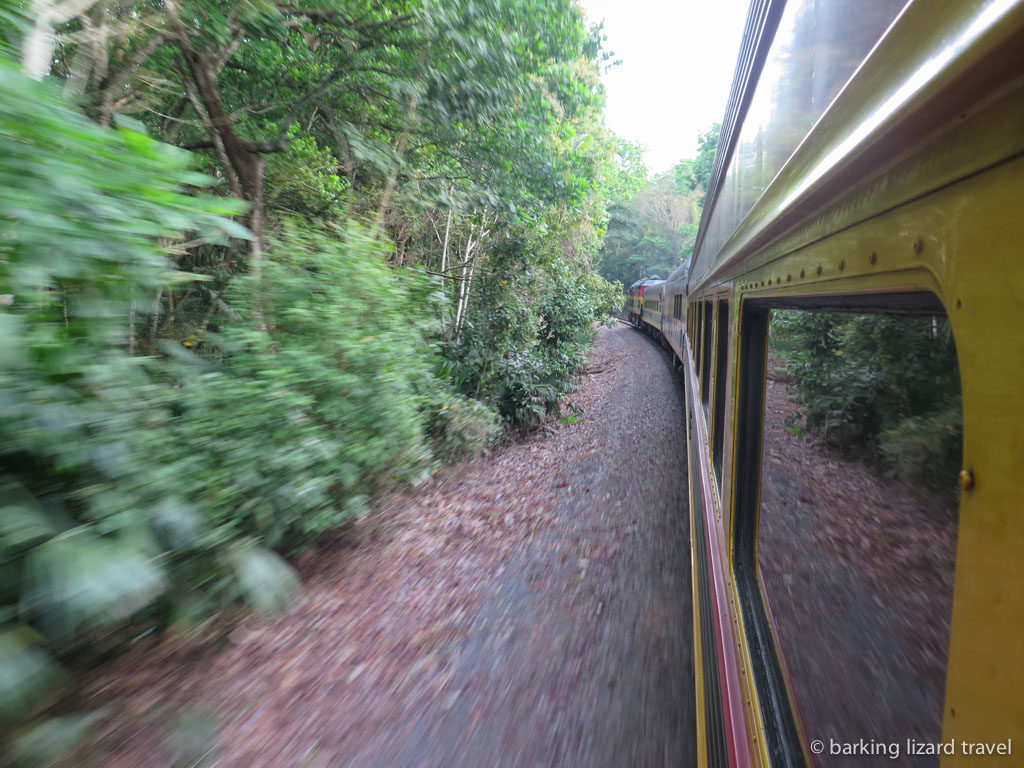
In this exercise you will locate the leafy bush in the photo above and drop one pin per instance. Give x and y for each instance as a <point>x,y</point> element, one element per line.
<point>140,492</point>
<point>927,449</point>
<point>528,330</point>
<point>315,399</point>
<point>462,428</point>
<point>90,522</point>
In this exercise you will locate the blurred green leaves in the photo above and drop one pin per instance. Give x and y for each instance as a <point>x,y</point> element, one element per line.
<point>90,524</point>
<point>78,583</point>
<point>290,427</point>
<point>47,741</point>
<point>169,420</point>
<point>265,581</point>
<point>27,672</point>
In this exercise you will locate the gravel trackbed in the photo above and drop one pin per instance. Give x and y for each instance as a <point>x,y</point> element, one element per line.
<point>530,608</point>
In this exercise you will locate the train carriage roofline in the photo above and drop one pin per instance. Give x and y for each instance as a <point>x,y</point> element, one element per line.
<point>928,83</point>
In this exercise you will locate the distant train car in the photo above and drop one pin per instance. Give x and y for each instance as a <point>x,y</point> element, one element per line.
<point>871,161</point>
<point>644,304</point>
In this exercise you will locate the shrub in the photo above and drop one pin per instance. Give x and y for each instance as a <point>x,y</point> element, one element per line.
<point>927,449</point>
<point>139,492</point>
<point>315,399</point>
<point>462,428</point>
<point>92,525</point>
<point>528,330</point>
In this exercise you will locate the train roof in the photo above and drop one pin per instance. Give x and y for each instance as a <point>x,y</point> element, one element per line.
<point>642,283</point>
<point>680,274</point>
<point>807,160</point>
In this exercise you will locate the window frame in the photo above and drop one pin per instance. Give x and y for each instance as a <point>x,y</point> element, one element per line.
<point>784,737</point>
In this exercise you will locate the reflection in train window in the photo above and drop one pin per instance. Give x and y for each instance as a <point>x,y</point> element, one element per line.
<point>707,340</point>
<point>697,325</point>
<point>857,520</point>
<point>721,353</point>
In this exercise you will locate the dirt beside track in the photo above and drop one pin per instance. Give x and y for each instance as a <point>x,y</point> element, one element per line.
<point>531,608</point>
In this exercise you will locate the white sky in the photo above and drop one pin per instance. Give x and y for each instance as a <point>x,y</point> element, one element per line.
<point>678,58</point>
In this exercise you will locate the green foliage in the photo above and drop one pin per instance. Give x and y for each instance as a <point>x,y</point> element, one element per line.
<point>700,170</point>
<point>286,429</point>
<point>651,233</point>
<point>90,518</point>
<point>527,333</point>
<point>46,742</point>
<point>695,175</point>
<point>927,449</point>
<point>629,174</point>
<point>150,491</point>
<point>653,224</point>
<point>282,387</point>
<point>462,428</point>
<point>884,385</point>
<point>27,672</point>
<point>302,181</point>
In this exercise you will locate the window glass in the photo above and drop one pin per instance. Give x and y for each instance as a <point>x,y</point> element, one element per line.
<point>857,523</point>
<point>721,371</point>
<point>707,339</point>
<point>697,327</point>
<point>816,48</point>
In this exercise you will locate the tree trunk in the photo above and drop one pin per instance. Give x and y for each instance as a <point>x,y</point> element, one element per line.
<point>444,266</point>
<point>37,50</point>
<point>246,161</point>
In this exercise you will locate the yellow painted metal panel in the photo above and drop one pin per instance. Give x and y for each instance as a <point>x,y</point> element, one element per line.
<point>964,244</point>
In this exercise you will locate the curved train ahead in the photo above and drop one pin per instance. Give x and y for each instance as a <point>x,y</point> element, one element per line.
<point>871,161</point>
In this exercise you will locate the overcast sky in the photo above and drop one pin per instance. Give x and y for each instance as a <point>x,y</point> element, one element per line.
<point>677,64</point>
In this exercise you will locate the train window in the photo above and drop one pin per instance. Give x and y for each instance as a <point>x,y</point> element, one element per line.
<point>695,335</point>
<point>707,339</point>
<point>846,519</point>
<point>721,369</point>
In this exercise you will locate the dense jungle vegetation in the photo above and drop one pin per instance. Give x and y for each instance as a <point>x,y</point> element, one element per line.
<point>652,224</point>
<point>260,261</point>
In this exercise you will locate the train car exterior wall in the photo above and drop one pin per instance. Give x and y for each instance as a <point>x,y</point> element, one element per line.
<point>900,192</point>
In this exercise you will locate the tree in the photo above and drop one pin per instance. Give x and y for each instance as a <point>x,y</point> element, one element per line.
<point>651,233</point>
<point>424,187</point>
<point>695,175</point>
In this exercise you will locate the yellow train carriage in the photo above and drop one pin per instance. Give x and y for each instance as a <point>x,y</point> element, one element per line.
<point>870,161</point>
<point>636,303</point>
<point>650,317</point>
